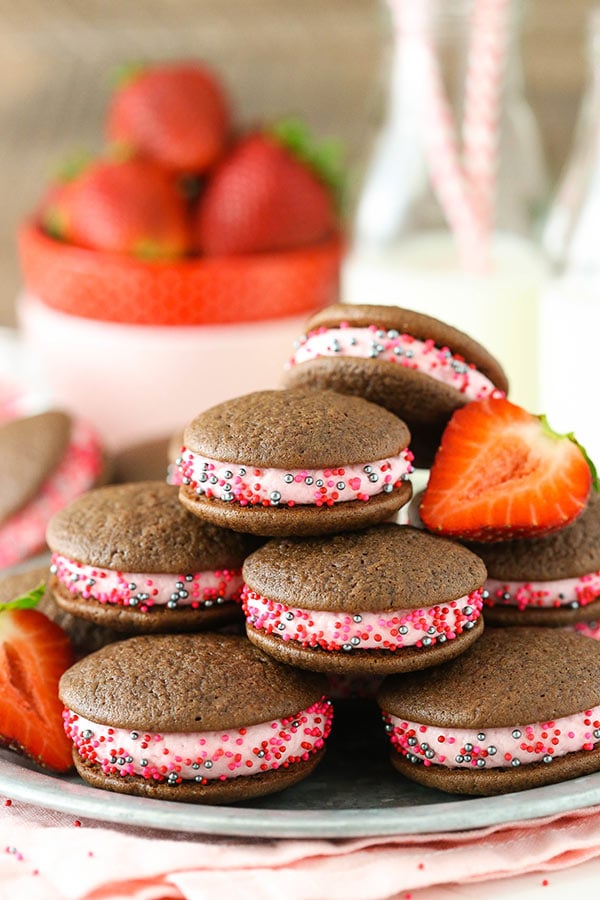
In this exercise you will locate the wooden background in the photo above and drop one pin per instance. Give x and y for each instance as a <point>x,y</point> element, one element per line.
<point>319,58</point>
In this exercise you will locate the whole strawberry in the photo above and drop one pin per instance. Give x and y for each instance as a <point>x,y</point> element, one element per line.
<point>175,114</point>
<point>265,196</point>
<point>34,653</point>
<point>502,473</point>
<point>131,207</point>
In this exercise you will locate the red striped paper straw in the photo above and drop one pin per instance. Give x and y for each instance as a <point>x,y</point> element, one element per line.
<point>485,74</point>
<point>464,186</point>
<point>448,178</point>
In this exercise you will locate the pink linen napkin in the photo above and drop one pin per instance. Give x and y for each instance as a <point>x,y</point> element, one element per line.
<point>45,855</point>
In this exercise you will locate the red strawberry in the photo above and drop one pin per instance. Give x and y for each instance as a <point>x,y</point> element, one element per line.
<point>176,114</point>
<point>129,207</point>
<point>502,473</point>
<point>34,653</point>
<point>263,197</point>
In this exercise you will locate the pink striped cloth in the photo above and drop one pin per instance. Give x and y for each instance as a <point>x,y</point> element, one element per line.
<point>45,855</point>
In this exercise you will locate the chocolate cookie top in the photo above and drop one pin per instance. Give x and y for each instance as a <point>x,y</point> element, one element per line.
<point>186,683</point>
<point>30,450</point>
<point>296,428</point>
<point>142,527</point>
<point>568,553</point>
<point>420,326</point>
<point>512,676</point>
<point>384,568</point>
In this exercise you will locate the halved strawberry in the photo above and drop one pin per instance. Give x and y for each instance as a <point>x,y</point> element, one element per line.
<point>501,473</point>
<point>34,653</point>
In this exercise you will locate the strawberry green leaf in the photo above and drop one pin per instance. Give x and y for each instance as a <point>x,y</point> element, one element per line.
<point>124,74</point>
<point>25,601</point>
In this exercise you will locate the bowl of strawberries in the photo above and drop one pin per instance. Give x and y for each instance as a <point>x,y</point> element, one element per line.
<point>185,234</point>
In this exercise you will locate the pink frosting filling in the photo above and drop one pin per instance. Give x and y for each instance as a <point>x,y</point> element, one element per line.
<point>362,630</point>
<point>250,486</point>
<point>494,748</point>
<point>572,592</point>
<point>587,629</point>
<point>402,349</point>
<point>24,533</point>
<point>174,474</point>
<point>202,756</point>
<point>143,591</point>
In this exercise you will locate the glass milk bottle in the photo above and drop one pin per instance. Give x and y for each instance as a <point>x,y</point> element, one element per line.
<point>444,220</point>
<point>570,307</point>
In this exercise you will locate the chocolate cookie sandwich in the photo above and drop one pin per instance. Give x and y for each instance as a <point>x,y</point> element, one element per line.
<point>412,364</point>
<point>389,599</point>
<point>130,557</point>
<point>295,462</point>
<point>203,718</point>
<point>552,580</point>
<point>47,461</point>
<point>519,709</point>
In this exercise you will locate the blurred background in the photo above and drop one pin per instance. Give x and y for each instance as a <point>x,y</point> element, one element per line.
<point>323,59</point>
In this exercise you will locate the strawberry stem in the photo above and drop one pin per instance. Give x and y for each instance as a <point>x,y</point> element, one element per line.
<point>73,165</point>
<point>325,158</point>
<point>26,601</point>
<point>571,437</point>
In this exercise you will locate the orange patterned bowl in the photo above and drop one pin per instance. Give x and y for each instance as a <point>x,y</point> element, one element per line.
<point>205,291</point>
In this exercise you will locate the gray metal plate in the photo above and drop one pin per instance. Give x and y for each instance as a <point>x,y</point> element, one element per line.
<point>354,792</point>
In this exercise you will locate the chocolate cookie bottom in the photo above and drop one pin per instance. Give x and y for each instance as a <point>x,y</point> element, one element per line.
<point>298,521</point>
<point>488,782</point>
<point>408,659</point>
<point>157,620</point>
<point>217,792</point>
